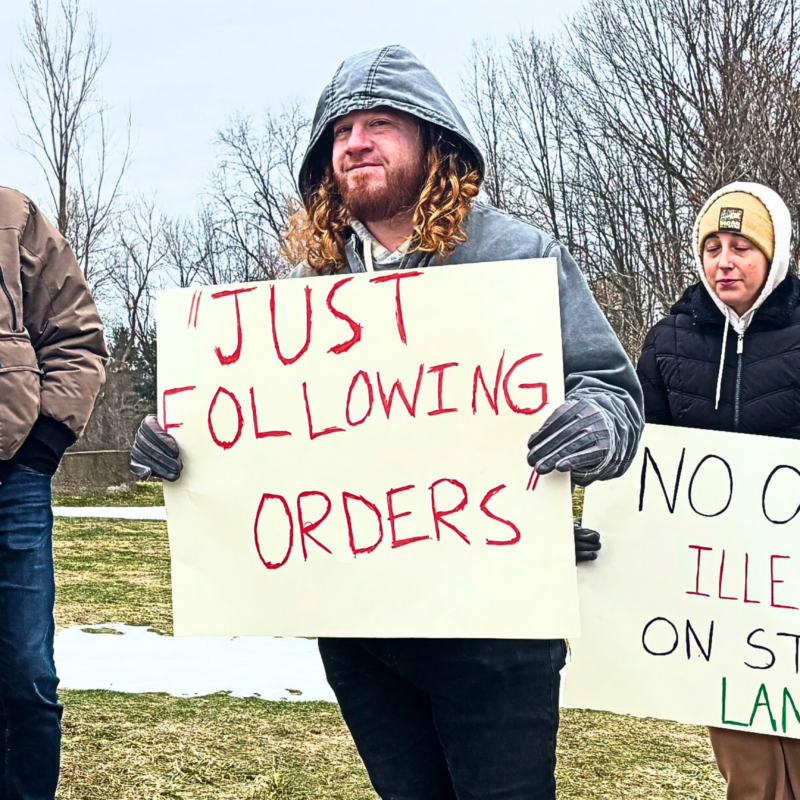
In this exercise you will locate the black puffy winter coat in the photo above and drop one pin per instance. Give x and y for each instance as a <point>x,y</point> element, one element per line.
<point>760,394</point>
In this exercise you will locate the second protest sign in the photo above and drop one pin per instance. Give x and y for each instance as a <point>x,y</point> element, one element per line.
<point>692,612</point>
<point>354,453</point>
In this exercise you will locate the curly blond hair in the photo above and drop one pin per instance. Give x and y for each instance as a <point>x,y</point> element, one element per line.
<point>316,235</point>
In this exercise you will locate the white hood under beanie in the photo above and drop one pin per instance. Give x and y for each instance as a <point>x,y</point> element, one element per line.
<point>779,268</point>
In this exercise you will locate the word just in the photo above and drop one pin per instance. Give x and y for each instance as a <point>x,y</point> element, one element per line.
<point>430,390</point>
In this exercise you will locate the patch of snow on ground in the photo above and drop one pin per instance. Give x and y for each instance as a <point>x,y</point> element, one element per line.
<point>143,661</point>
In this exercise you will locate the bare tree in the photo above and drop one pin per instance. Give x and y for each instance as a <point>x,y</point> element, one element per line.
<point>185,253</point>
<point>237,234</point>
<point>141,252</point>
<point>94,200</point>
<point>66,125</point>
<point>254,191</point>
<point>484,87</point>
<point>611,134</point>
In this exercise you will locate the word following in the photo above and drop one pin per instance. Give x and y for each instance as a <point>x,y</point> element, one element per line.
<point>372,392</point>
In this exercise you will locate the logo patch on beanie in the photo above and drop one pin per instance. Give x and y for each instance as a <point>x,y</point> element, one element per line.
<point>730,219</point>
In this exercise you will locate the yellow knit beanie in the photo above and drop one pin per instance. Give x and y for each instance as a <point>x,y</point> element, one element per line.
<point>743,213</point>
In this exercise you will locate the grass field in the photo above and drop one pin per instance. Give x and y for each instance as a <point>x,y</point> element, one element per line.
<point>142,747</point>
<point>112,571</point>
<point>143,494</point>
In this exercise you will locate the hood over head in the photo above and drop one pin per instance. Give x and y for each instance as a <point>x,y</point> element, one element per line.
<point>391,76</point>
<point>779,267</point>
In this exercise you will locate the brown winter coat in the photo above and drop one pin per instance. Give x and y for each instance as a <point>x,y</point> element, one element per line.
<point>51,337</point>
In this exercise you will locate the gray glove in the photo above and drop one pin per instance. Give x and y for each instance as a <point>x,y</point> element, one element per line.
<point>576,438</point>
<point>587,543</point>
<point>155,453</point>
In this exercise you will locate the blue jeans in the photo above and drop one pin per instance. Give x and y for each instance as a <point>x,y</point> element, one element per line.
<point>30,715</point>
<point>451,719</point>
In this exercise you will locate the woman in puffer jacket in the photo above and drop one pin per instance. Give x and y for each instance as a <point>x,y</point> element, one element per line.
<point>728,359</point>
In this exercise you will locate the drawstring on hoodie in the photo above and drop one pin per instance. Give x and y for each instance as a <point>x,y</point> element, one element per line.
<point>368,256</point>
<point>722,361</point>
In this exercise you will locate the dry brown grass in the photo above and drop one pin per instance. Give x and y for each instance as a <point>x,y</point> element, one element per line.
<point>611,757</point>
<point>112,571</point>
<point>142,747</point>
<point>137,747</point>
<point>150,493</point>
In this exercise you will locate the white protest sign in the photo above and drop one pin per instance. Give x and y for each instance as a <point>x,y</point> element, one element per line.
<point>691,611</point>
<point>354,452</point>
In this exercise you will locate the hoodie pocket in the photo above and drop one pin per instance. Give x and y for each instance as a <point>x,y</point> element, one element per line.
<point>20,389</point>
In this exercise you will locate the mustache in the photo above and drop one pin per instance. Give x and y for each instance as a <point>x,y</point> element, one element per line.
<point>359,164</point>
<point>399,192</point>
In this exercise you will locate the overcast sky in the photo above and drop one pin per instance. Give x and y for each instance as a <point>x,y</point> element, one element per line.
<point>184,68</point>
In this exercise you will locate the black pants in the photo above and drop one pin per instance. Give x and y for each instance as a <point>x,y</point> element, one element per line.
<point>451,719</point>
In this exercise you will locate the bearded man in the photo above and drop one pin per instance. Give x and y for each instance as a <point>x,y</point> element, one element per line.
<point>389,181</point>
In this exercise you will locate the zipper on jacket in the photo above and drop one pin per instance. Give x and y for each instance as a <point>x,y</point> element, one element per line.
<point>736,396</point>
<point>10,300</point>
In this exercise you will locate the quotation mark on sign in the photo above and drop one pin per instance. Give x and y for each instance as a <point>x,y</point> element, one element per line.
<point>533,480</point>
<point>195,308</point>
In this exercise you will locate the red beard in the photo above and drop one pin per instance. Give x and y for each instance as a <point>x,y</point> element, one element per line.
<point>368,202</point>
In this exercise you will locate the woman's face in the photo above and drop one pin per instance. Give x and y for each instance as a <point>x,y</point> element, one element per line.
<point>735,269</point>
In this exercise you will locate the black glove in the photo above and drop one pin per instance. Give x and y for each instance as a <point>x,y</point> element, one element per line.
<point>155,453</point>
<point>587,544</point>
<point>576,438</point>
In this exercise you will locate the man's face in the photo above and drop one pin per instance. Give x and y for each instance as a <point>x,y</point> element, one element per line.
<point>378,163</point>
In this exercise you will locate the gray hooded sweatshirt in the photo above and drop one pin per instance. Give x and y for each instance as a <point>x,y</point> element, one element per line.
<point>595,364</point>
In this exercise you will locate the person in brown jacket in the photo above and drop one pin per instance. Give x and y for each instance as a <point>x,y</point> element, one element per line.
<point>51,369</point>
